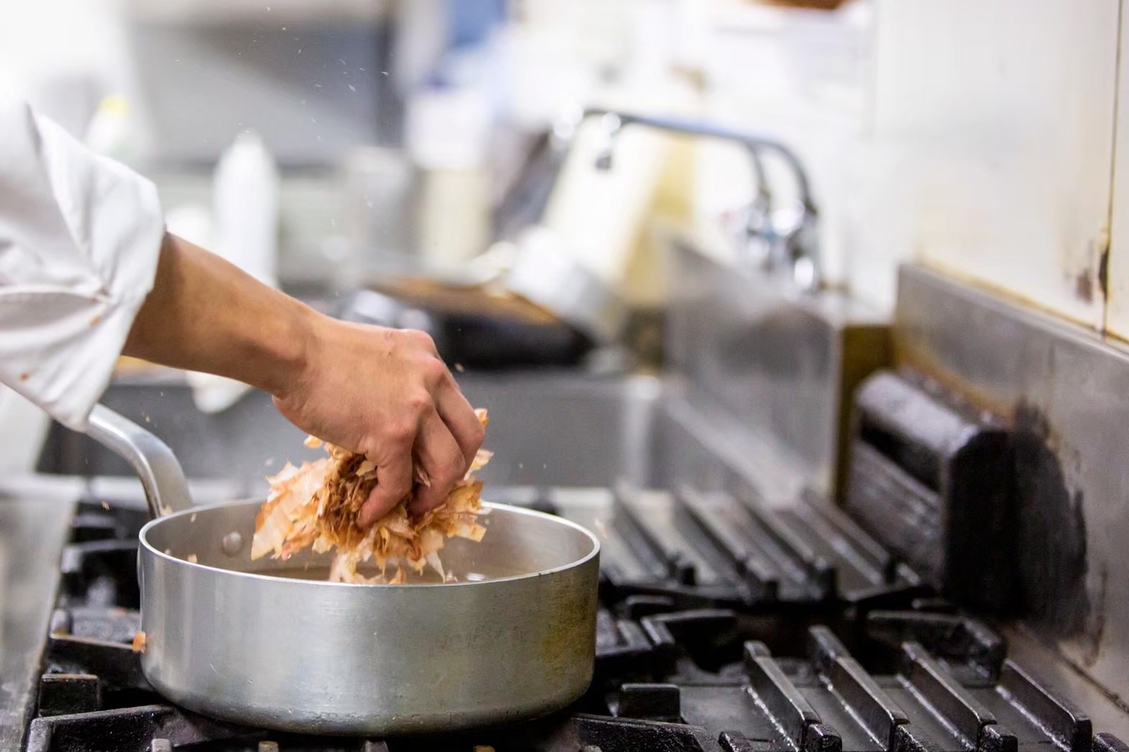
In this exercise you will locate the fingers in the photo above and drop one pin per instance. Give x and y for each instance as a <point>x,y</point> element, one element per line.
<point>436,426</point>
<point>393,483</point>
<point>442,459</point>
<point>461,421</point>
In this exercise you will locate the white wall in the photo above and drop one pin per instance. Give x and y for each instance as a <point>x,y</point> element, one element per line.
<point>1117,312</point>
<point>975,136</point>
<point>990,149</point>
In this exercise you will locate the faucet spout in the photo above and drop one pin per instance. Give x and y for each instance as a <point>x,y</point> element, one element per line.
<point>794,247</point>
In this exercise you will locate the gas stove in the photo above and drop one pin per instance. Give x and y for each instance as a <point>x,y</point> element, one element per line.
<point>723,626</point>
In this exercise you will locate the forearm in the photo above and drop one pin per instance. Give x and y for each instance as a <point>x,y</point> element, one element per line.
<point>205,314</point>
<point>384,393</point>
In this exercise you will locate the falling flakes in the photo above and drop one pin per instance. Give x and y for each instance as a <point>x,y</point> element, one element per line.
<point>384,73</point>
<point>192,518</point>
<point>105,506</point>
<point>352,88</point>
<point>284,28</point>
<point>362,70</point>
<point>299,50</point>
<point>314,121</point>
<point>317,86</point>
<point>340,61</point>
<point>269,462</point>
<point>460,368</point>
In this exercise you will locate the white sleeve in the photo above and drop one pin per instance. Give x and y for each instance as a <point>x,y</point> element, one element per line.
<point>79,240</point>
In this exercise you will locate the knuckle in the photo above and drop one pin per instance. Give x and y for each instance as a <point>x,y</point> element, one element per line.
<point>419,402</point>
<point>420,339</point>
<point>400,432</point>
<point>434,371</point>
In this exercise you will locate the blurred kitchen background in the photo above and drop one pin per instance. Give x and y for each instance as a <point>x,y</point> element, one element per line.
<point>930,185</point>
<point>384,117</point>
<point>437,138</point>
<point>417,133</point>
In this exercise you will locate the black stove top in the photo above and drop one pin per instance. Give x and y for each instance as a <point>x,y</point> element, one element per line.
<point>719,629</point>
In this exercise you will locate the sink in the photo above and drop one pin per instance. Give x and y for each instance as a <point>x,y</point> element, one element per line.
<point>546,429</point>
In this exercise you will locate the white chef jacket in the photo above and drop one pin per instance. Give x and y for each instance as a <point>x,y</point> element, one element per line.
<point>79,241</point>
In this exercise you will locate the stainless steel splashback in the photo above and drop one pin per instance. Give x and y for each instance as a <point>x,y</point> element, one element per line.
<point>1064,391</point>
<point>781,363</point>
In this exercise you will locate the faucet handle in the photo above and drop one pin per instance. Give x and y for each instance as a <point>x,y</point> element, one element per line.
<point>754,234</point>
<point>802,252</point>
<point>782,241</point>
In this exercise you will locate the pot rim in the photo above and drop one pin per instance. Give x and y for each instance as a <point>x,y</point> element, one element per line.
<point>505,508</point>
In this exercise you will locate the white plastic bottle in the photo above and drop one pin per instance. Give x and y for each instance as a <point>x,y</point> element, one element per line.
<point>245,232</point>
<point>245,208</point>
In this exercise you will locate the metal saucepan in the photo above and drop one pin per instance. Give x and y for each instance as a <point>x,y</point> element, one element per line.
<point>270,643</point>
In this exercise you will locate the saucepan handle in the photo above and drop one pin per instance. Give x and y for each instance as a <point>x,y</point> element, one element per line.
<point>166,489</point>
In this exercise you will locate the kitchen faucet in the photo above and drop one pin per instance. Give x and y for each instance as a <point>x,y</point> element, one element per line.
<point>793,247</point>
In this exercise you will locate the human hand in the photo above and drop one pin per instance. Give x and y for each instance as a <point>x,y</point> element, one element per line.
<point>385,394</point>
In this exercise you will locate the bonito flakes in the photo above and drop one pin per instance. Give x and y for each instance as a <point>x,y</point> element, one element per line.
<point>316,506</point>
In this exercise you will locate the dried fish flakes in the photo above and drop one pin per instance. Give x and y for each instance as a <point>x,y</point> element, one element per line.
<point>316,506</point>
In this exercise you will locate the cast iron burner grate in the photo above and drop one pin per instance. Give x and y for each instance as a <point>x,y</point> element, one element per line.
<point>680,666</point>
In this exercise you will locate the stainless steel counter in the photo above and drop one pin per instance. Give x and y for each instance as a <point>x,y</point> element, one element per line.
<point>33,530</point>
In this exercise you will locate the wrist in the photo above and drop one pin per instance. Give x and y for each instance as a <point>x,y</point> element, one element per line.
<point>293,349</point>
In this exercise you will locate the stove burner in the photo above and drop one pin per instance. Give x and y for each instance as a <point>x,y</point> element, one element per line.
<point>706,656</point>
<point>700,548</point>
